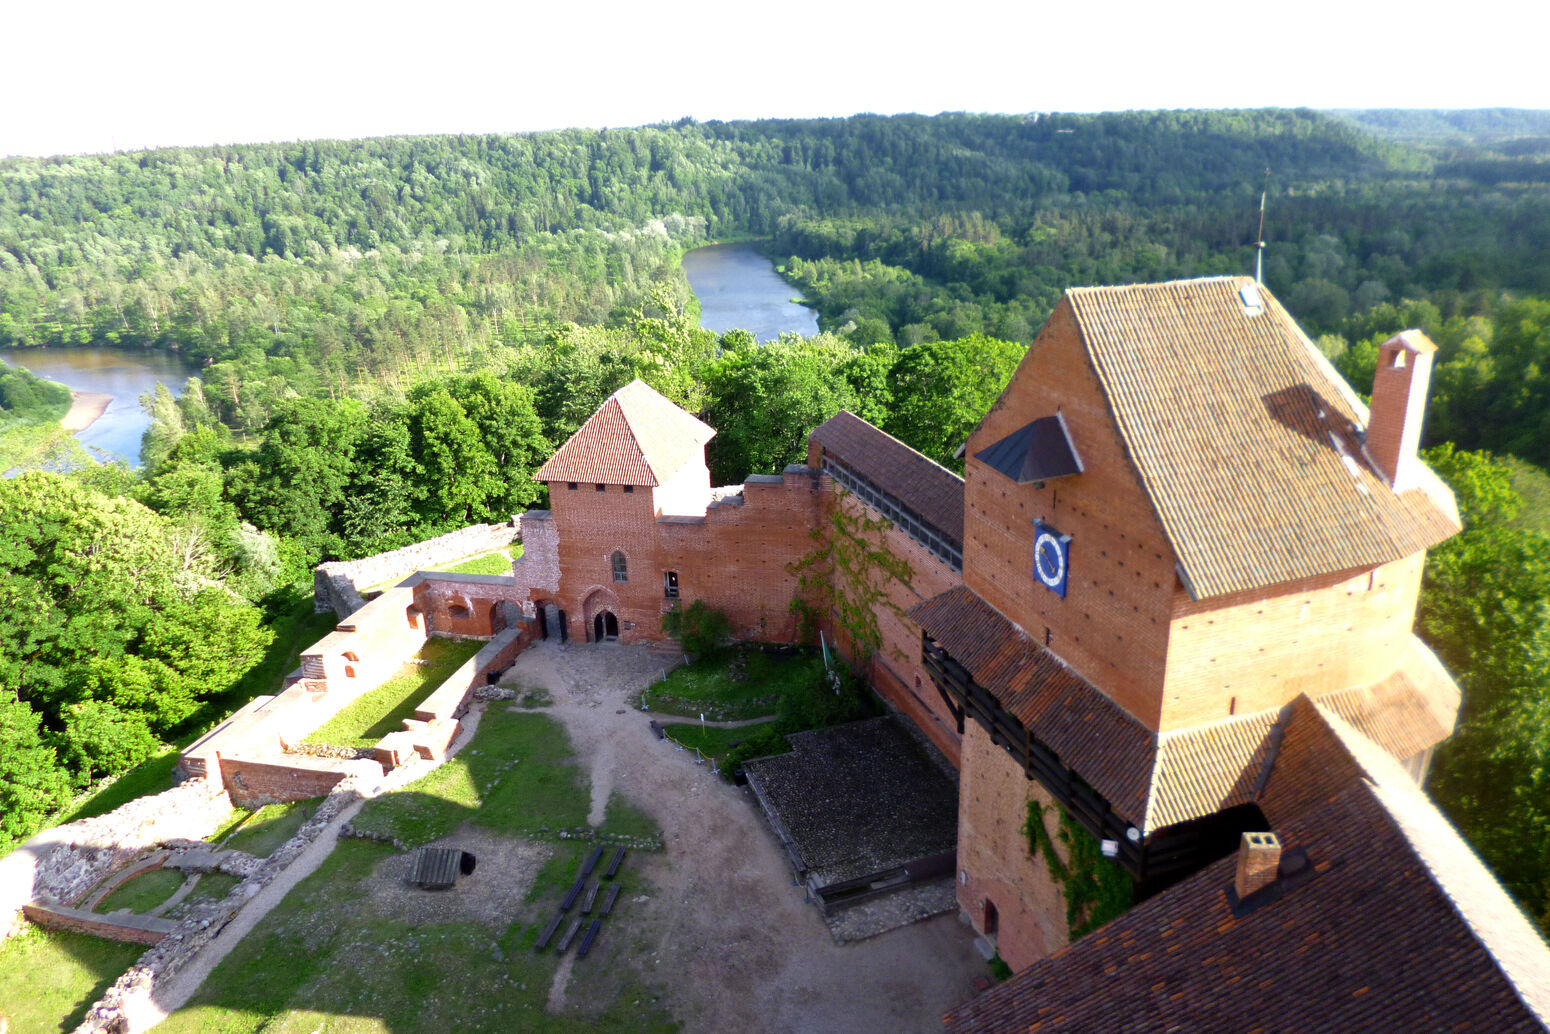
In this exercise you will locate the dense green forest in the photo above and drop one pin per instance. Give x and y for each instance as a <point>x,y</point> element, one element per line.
<point>392,334</point>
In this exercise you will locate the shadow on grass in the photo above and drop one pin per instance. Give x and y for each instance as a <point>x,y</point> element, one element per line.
<point>49,978</point>
<point>517,777</point>
<point>332,958</point>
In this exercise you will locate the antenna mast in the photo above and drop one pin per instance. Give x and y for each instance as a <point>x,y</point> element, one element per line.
<point>1259,256</point>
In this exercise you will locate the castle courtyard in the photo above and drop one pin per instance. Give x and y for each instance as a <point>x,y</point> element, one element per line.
<point>725,932</point>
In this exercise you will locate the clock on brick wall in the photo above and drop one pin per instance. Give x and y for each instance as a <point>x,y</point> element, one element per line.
<point>1051,557</point>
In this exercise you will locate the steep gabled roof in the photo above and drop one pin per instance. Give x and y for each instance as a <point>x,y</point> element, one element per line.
<point>637,437</point>
<point>1247,441</point>
<point>1392,924</point>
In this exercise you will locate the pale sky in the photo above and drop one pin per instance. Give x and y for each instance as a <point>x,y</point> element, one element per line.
<point>85,75</point>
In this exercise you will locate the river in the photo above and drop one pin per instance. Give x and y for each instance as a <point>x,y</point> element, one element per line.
<point>738,288</point>
<point>123,373</point>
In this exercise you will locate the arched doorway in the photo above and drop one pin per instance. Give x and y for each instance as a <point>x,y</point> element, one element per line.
<point>560,623</point>
<point>605,627</point>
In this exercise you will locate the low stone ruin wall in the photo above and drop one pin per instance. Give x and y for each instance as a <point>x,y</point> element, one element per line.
<point>452,697</point>
<point>110,1015</point>
<point>336,584</point>
<point>59,865</point>
<point>130,929</point>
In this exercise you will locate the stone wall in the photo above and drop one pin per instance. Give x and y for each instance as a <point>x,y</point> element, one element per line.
<point>335,584</point>
<point>59,865</point>
<point>110,1015</point>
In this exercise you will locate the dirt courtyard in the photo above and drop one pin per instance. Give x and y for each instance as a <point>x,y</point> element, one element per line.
<point>724,929</point>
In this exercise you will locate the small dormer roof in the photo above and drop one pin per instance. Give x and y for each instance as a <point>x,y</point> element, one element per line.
<point>636,437</point>
<point>1037,452</point>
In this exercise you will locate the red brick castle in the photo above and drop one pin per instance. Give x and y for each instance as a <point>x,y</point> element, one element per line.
<point>1173,595</point>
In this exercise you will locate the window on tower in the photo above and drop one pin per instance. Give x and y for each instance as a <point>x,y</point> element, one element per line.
<point>621,572</point>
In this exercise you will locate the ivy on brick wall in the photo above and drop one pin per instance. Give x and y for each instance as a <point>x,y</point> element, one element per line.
<point>849,571</point>
<point>1096,890</point>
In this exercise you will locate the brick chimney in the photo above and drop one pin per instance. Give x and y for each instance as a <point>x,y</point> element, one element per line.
<point>1399,404</point>
<point>1259,856</point>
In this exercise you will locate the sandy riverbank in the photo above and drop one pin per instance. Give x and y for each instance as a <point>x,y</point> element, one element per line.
<point>85,408</point>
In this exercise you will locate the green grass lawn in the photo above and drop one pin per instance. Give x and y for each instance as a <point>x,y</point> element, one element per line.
<point>517,776</point>
<point>267,828</point>
<point>712,741</point>
<point>708,686</point>
<point>498,562</point>
<point>48,978</point>
<point>212,886</point>
<point>144,892</point>
<point>324,963</point>
<point>366,720</point>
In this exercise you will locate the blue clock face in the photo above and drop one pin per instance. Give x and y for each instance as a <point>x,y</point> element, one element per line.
<point>1051,557</point>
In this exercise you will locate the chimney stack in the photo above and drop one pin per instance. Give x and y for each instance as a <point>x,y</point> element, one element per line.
<point>1259,857</point>
<point>1398,405</point>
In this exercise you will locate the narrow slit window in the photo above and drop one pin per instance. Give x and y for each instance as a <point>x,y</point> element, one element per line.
<point>670,585</point>
<point>621,571</point>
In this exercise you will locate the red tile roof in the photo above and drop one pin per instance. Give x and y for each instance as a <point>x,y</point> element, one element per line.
<point>1412,709</point>
<point>636,437</point>
<point>1392,925</point>
<point>1156,780</point>
<point>932,491</point>
<point>1090,733</point>
<point>1247,441</point>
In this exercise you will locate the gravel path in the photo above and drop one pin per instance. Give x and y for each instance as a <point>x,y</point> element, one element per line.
<point>724,930</point>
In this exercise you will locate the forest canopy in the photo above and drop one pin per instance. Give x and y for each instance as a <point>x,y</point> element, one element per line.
<point>393,333</point>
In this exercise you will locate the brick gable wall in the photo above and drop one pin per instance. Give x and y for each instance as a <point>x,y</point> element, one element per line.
<point>1112,626</point>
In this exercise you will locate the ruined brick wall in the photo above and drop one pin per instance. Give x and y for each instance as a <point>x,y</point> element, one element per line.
<point>537,571</point>
<point>467,605</point>
<point>130,929</point>
<point>254,783</point>
<point>59,865</point>
<point>330,580</point>
<point>1252,651</point>
<point>370,645</point>
<point>455,692</point>
<point>993,853</point>
<point>1112,626</point>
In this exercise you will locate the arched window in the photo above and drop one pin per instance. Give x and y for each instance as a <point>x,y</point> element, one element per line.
<point>621,574</point>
